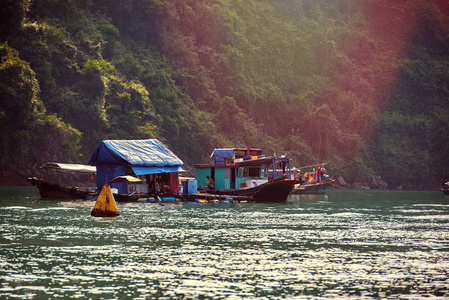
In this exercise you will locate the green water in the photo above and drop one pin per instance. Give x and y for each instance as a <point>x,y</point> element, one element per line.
<point>341,245</point>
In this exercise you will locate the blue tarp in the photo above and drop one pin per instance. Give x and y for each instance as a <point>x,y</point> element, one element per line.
<point>156,170</point>
<point>107,172</point>
<point>113,157</point>
<point>227,153</point>
<point>145,153</point>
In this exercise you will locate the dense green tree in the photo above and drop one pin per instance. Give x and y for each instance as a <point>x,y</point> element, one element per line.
<point>12,13</point>
<point>360,84</point>
<point>27,131</point>
<point>18,92</point>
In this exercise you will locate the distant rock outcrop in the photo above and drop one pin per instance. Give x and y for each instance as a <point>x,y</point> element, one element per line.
<point>359,186</point>
<point>378,183</point>
<point>342,182</point>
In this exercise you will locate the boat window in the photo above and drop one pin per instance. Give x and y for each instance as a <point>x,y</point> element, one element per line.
<point>249,172</point>
<point>254,172</point>
<point>242,172</point>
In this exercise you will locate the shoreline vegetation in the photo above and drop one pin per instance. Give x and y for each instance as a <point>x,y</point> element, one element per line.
<point>359,84</point>
<point>16,178</point>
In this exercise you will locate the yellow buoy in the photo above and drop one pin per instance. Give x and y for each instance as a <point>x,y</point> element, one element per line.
<point>105,205</point>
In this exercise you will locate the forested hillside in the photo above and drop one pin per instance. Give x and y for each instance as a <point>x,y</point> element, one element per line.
<point>360,84</point>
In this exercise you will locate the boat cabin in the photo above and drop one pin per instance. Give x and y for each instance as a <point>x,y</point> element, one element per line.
<point>78,175</point>
<point>240,168</point>
<point>61,180</point>
<point>147,166</point>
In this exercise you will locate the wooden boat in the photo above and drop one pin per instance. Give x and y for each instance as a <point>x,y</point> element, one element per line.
<point>79,181</point>
<point>133,195</point>
<point>128,197</point>
<point>130,181</point>
<point>246,172</point>
<point>277,190</point>
<point>316,181</point>
<point>313,188</point>
<point>54,190</point>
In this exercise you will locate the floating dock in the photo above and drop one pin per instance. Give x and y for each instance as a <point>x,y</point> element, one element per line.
<point>211,197</point>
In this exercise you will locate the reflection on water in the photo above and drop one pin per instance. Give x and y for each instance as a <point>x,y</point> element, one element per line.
<point>343,244</point>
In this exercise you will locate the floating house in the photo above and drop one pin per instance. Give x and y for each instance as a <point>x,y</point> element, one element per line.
<point>149,160</point>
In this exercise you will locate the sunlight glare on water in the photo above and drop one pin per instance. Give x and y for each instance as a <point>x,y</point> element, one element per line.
<point>343,244</point>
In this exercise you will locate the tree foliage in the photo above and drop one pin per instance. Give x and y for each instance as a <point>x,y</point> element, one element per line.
<point>361,84</point>
<point>28,132</point>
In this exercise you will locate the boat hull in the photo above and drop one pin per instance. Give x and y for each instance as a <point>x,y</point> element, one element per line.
<point>54,190</point>
<point>314,188</point>
<point>127,197</point>
<point>270,192</point>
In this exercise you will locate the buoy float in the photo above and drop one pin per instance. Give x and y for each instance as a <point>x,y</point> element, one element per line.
<point>105,205</point>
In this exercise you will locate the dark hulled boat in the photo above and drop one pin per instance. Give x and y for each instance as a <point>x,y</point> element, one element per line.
<point>271,191</point>
<point>69,181</point>
<point>246,172</point>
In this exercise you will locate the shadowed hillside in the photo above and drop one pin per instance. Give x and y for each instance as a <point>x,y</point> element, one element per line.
<point>362,85</point>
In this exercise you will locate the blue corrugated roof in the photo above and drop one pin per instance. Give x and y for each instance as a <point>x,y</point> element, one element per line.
<point>228,153</point>
<point>143,153</point>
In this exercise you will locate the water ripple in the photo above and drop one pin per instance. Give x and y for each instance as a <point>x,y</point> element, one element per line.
<point>336,248</point>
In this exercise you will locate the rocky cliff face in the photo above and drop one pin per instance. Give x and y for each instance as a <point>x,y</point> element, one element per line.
<point>377,183</point>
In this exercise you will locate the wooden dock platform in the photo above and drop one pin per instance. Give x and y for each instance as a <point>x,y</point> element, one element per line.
<point>212,197</point>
